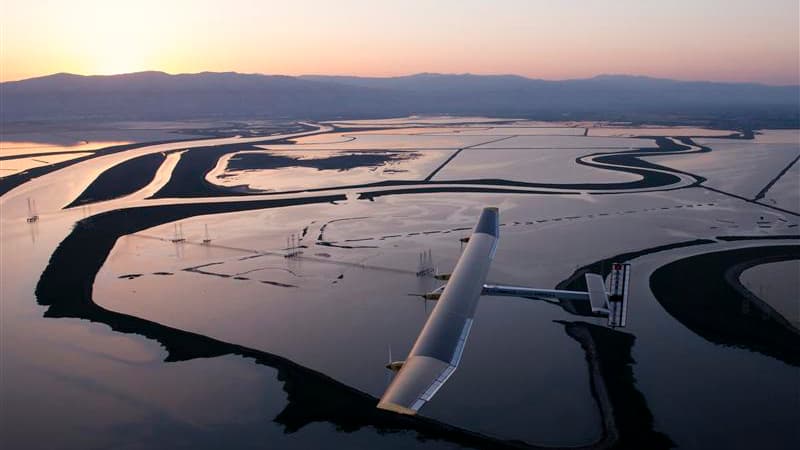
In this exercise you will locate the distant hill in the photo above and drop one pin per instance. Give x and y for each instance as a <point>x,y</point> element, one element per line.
<point>229,95</point>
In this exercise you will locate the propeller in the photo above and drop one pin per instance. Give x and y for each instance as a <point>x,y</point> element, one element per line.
<point>426,297</point>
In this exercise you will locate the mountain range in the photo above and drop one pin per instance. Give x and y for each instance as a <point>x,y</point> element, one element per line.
<point>230,95</point>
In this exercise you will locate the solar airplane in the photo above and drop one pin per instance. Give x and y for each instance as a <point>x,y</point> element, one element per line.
<point>439,346</point>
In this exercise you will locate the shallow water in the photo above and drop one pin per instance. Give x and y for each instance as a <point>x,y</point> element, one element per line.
<point>656,131</point>
<point>778,284</point>
<point>15,147</point>
<point>16,165</point>
<point>784,192</point>
<point>576,142</point>
<point>379,166</point>
<point>530,165</point>
<point>385,141</point>
<point>739,167</point>
<point>515,131</point>
<point>341,306</point>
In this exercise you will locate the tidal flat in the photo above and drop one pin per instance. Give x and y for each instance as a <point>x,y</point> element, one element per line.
<point>133,318</point>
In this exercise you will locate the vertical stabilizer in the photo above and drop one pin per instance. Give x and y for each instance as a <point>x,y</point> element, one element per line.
<point>597,292</point>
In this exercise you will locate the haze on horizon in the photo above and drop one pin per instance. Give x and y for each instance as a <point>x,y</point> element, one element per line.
<point>719,40</point>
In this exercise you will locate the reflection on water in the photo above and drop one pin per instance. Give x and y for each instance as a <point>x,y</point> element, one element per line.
<point>313,396</point>
<point>530,166</point>
<point>710,301</point>
<point>740,167</point>
<point>16,165</point>
<point>777,284</point>
<point>9,148</point>
<point>298,170</point>
<point>529,372</point>
<point>18,156</point>
<point>613,131</point>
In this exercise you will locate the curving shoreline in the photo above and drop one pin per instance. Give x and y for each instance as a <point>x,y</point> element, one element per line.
<point>188,178</point>
<point>122,179</point>
<point>733,277</point>
<point>706,301</point>
<point>67,292</point>
<point>66,287</point>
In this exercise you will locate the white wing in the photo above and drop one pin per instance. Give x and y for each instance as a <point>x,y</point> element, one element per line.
<point>439,346</point>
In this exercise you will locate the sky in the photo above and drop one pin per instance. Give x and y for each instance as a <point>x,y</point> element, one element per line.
<point>721,40</point>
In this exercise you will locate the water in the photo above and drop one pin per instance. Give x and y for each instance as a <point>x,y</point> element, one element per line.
<point>522,376</point>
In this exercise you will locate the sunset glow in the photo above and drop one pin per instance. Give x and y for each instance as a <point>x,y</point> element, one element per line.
<point>743,40</point>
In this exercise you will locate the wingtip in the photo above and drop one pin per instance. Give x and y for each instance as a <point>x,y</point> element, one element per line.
<point>489,221</point>
<point>394,407</point>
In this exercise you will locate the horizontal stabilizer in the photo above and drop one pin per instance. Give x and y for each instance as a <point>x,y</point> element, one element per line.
<point>618,282</point>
